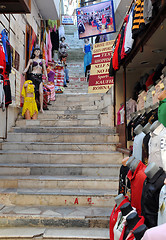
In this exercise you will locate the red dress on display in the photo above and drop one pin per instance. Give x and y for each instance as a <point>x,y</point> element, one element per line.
<point>114,216</point>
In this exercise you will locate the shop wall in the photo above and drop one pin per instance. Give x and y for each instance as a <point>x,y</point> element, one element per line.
<point>15,24</point>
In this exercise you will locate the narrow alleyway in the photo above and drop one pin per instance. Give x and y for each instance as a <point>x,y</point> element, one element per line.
<point>59,174</point>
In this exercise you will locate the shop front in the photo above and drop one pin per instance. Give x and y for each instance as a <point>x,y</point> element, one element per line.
<point>140,72</point>
<point>22,31</point>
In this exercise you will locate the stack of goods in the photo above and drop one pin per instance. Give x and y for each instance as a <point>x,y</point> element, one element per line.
<point>149,99</point>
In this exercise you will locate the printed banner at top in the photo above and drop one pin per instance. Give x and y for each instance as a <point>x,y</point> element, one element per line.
<point>99,80</point>
<point>96,19</point>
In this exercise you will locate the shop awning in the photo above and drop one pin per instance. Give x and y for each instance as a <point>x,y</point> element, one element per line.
<point>15,6</point>
<point>48,9</point>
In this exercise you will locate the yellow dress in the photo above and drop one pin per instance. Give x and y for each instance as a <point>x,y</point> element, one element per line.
<point>29,102</point>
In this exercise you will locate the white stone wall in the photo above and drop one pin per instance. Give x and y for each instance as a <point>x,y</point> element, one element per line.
<point>17,41</point>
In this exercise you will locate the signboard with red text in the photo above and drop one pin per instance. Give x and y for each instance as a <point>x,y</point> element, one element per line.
<point>99,80</point>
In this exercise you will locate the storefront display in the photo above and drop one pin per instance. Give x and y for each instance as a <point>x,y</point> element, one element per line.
<point>150,199</point>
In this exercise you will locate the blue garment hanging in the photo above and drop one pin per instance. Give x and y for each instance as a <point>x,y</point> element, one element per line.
<point>87,56</point>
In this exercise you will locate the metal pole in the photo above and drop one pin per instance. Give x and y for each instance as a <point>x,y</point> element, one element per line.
<point>124,99</point>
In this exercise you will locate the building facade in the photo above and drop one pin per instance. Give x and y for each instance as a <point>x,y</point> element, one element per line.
<point>22,29</point>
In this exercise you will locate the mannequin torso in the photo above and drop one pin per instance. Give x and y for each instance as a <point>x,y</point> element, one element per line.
<point>119,199</point>
<point>151,170</point>
<point>139,232</point>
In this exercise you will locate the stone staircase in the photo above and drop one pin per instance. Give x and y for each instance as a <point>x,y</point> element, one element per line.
<point>59,174</point>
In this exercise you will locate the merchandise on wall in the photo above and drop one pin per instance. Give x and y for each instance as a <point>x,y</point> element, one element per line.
<point>143,82</point>
<point>144,208</point>
<point>5,69</point>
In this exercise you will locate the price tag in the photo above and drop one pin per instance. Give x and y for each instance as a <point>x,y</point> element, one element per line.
<point>162,85</point>
<point>153,92</point>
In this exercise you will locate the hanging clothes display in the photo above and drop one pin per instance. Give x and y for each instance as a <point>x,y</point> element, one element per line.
<point>121,44</point>
<point>49,47</point>
<point>55,40</point>
<point>7,90</point>
<point>137,180</point>
<point>128,39</point>
<point>87,56</point>
<point>150,198</point>
<point>123,54</point>
<point>7,51</point>
<point>2,61</point>
<point>138,19</point>
<point>2,94</point>
<point>115,61</point>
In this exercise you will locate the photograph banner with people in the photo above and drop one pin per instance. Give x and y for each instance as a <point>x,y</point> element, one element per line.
<point>96,19</point>
<point>99,80</point>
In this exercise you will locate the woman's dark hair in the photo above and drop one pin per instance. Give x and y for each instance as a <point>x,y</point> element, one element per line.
<point>33,53</point>
<point>62,38</point>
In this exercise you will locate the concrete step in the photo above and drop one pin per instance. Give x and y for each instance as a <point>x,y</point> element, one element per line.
<point>79,97</point>
<point>24,233</point>
<point>57,197</point>
<point>61,107</point>
<point>46,146</point>
<point>56,182</point>
<point>26,169</point>
<point>62,130</point>
<point>41,135</point>
<point>51,114</point>
<point>75,91</point>
<point>77,79</point>
<point>54,216</point>
<point>55,122</point>
<point>71,104</point>
<point>78,157</point>
<point>68,116</point>
<point>73,83</point>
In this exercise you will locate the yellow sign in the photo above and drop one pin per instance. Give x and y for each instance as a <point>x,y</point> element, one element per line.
<point>99,81</point>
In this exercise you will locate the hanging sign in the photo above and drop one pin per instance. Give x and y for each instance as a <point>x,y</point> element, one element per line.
<point>99,80</point>
<point>67,20</point>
